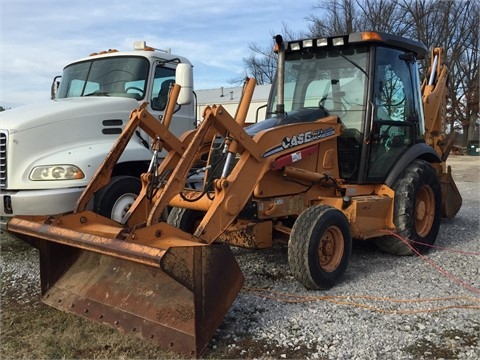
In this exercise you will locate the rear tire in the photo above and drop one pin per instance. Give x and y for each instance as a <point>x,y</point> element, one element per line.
<point>417,210</point>
<point>115,199</point>
<point>319,247</point>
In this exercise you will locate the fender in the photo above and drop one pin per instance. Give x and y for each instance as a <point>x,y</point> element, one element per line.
<point>417,151</point>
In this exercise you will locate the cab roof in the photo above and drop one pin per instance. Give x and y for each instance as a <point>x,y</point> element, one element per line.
<point>142,51</point>
<point>419,49</point>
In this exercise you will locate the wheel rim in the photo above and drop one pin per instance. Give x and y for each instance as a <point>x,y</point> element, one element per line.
<point>424,210</point>
<point>331,248</point>
<point>122,205</point>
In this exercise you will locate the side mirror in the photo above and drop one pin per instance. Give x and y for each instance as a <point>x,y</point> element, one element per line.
<point>54,87</point>
<point>184,78</point>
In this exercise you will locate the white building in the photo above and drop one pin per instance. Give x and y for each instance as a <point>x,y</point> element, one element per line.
<point>229,99</point>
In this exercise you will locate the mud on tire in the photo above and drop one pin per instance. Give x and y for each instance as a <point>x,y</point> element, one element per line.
<point>417,210</point>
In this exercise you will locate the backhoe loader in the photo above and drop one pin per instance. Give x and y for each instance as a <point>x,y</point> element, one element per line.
<point>353,147</point>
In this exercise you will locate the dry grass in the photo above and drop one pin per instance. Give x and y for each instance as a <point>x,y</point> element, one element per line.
<point>37,331</point>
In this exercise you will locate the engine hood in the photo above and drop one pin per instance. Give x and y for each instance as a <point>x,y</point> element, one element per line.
<point>52,111</point>
<point>292,117</point>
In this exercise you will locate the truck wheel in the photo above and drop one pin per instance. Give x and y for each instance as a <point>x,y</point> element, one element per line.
<point>417,210</point>
<point>114,199</point>
<point>319,247</point>
<point>185,219</point>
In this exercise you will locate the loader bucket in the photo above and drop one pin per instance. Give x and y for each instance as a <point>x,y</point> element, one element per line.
<point>175,294</point>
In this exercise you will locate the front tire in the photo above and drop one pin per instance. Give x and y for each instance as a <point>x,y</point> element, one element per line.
<point>417,210</point>
<point>115,199</point>
<point>319,247</point>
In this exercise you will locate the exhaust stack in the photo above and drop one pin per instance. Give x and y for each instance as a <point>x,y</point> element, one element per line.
<point>280,50</point>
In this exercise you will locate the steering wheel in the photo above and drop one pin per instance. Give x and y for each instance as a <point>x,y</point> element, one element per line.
<point>136,89</point>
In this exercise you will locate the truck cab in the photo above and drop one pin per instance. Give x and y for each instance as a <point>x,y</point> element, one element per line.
<point>49,152</point>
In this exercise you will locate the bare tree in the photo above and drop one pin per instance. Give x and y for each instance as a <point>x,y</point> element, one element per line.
<point>454,26</point>
<point>338,17</point>
<point>262,61</point>
<point>346,16</point>
<point>260,64</point>
<point>463,60</point>
<point>382,15</point>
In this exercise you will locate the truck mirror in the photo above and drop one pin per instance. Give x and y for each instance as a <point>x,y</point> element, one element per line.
<point>184,78</point>
<point>54,87</point>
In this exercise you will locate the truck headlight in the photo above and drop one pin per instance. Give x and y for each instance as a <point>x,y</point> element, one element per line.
<point>56,172</point>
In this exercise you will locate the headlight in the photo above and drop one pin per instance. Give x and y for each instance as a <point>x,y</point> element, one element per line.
<point>56,172</point>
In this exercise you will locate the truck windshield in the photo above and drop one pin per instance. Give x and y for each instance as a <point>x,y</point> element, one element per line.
<point>121,76</point>
<point>331,79</point>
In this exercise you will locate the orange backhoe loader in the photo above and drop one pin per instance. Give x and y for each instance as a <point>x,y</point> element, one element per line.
<point>354,147</point>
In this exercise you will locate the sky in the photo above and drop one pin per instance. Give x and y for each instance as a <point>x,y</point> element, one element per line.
<point>39,37</point>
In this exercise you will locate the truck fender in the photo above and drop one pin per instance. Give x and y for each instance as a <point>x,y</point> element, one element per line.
<point>417,151</point>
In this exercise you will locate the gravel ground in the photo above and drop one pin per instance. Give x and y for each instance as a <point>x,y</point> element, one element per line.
<point>386,307</point>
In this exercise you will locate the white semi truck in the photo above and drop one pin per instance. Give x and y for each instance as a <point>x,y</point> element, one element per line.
<point>49,152</point>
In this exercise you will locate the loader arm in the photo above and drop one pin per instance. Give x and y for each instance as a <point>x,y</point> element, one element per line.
<point>178,163</point>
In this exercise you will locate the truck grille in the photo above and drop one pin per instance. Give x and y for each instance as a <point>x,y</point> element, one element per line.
<point>3,160</point>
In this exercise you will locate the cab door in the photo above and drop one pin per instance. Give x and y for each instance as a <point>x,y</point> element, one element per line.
<point>396,110</point>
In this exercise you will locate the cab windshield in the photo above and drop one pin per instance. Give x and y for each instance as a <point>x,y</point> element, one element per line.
<point>120,76</point>
<point>331,79</point>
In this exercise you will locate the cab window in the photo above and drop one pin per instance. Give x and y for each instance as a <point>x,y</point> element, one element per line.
<point>115,76</point>
<point>163,79</point>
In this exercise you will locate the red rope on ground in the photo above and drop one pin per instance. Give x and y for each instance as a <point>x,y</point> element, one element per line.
<point>447,249</point>
<point>438,268</point>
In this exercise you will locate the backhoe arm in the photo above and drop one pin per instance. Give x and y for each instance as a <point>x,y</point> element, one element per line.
<point>434,95</point>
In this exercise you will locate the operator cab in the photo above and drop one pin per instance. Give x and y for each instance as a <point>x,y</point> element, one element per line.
<point>368,80</point>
